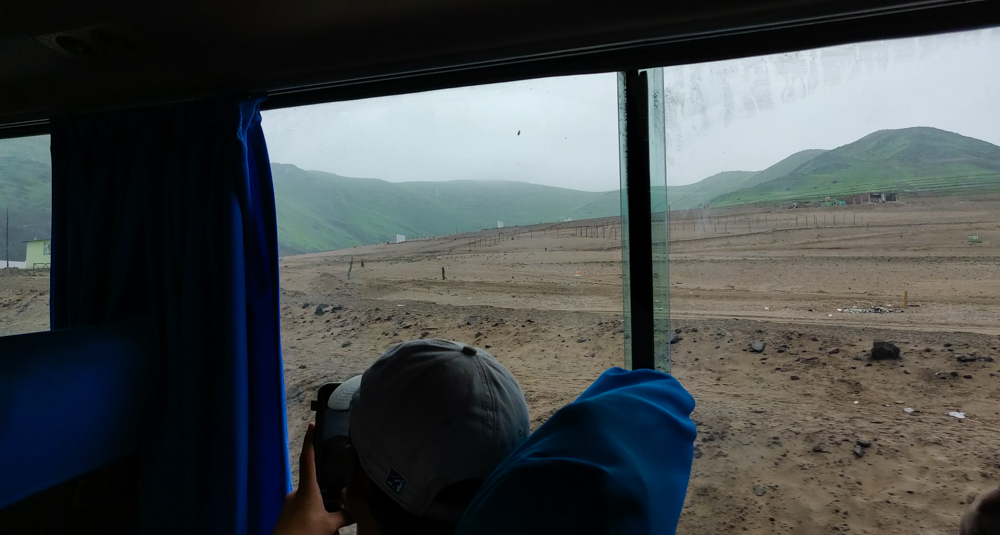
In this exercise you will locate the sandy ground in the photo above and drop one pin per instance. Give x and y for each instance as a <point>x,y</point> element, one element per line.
<point>777,430</point>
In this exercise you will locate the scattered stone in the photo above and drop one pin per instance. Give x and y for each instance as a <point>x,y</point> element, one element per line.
<point>954,374</point>
<point>425,334</point>
<point>694,329</point>
<point>928,350</point>
<point>471,320</point>
<point>319,310</point>
<point>336,308</point>
<point>967,376</point>
<point>884,351</point>
<point>947,344</point>
<point>864,443</point>
<point>305,306</point>
<point>833,351</point>
<point>591,354</point>
<point>678,331</point>
<point>757,346</point>
<point>759,490</point>
<point>302,366</point>
<point>346,343</point>
<point>581,340</point>
<point>859,451</point>
<point>819,448</point>
<point>814,339</point>
<point>674,339</point>
<point>794,377</point>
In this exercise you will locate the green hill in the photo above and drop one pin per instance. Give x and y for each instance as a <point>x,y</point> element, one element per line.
<point>912,160</point>
<point>321,211</point>
<point>26,187</point>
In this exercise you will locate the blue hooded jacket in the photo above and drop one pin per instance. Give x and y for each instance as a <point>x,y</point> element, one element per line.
<point>616,460</point>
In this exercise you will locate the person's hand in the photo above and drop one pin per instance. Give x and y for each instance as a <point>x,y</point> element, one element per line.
<point>303,512</point>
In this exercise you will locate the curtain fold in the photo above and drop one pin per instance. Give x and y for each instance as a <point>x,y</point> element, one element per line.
<point>169,212</point>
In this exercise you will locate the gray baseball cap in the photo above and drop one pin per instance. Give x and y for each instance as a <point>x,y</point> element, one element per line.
<point>431,413</point>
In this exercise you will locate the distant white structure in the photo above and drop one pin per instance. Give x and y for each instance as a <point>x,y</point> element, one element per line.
<point>499,224</point>
<point>567,220</point>
<point>400,238</point>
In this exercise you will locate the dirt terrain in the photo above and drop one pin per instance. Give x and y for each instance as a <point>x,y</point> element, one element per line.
<point>808,436</point>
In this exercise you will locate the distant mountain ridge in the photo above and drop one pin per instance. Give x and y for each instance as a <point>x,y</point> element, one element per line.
<point>320,211</point>
<point>919,159</point>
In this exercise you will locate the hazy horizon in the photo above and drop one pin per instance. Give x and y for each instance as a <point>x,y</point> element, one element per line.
<point>734,115</point>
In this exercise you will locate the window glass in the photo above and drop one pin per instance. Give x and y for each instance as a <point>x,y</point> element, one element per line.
<point>487,215</point>
<point>823,202</point>
<point>25,228</point>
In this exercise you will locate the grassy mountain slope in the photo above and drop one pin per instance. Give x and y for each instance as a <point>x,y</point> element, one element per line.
<point>320,211</point>
<point>779,169</point>
<point>702,192</point>
<point>25,186</point>
<point>908,160</point>
<point>683,197</point>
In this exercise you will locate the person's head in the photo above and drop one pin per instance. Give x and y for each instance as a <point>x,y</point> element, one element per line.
<point>429,422</point>
<point>983,516</point>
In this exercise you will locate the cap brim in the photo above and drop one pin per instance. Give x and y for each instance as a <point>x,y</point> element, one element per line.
<point>340,399</point>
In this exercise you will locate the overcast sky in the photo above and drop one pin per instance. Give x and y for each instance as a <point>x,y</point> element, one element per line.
<point>731,115</point>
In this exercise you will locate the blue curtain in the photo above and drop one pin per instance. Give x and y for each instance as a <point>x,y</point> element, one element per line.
<point>168,212</point>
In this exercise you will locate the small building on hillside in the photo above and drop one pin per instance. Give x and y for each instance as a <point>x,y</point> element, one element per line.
<point>499,224</point>
<point>400,238</point>
<point>38,255</point>
<point>872,198</point>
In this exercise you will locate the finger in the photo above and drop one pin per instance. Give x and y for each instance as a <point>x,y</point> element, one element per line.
<point>338,520</point>
<point>307,462</point>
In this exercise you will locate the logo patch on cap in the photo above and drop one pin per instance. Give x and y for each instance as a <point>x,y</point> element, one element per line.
<point>395,481</point>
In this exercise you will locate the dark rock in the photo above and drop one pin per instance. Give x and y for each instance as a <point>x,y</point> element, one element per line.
<point>884,351</point>
<point>302,366</point>
<point>346,343</point>
<point>947,344</point>
<point>759,490</point>
<point>814,339</point>
<point>967,376</point>
<point>425,334</point>
<point>674,339</point>
<point>833,351</point>
<point>471,320</point>
<point>967,358</point>
<point>859,451</point>
<point>694,329</point>
<point>305,306</point>
<point>794,377</point>
<point>581,340</point>
<point>319,310</point>
<point>927,350</point>
<point>954,374</point>
<point>864,443</point>
<point>757,346</point>
<point>819,448</point>
<point>336,308</point>
<point>678,331</point>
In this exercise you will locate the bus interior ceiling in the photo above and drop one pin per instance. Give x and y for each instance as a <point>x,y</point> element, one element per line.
<point>62,56</point>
